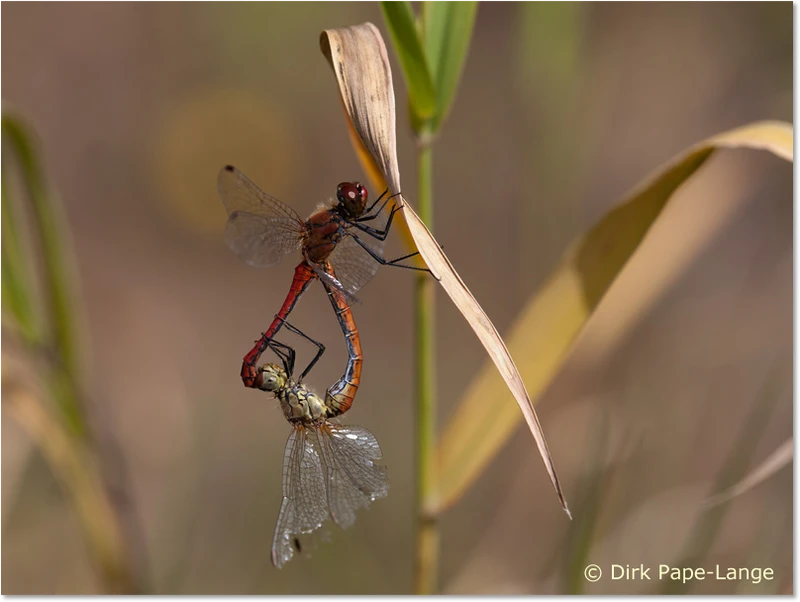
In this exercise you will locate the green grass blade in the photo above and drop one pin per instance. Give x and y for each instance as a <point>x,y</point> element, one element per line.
<point>16,293</point>
<point>50,236</point>
<point>49,239</point>
<point>403,29</point>
<point>448,30</point>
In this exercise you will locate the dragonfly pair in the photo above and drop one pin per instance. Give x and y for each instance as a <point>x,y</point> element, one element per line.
<point>261,229</point>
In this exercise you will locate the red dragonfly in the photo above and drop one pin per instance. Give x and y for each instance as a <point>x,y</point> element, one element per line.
<point>329,470</point>
<point>261,229</point>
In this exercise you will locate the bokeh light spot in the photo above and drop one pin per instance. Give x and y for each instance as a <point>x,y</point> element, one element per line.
<point>205,132</point>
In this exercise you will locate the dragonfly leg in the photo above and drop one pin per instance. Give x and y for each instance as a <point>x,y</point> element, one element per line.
<point>393,262</point>
<point>378,200</point>
<point>320,346</point>
<point>409,256</point>
<point>251,375</point>
<point>381,234</point>
<point>366,217</point>
<point>286,355</point>
<point>374,232</point>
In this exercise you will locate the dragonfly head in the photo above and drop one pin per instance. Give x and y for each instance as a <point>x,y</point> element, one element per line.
<point>273,378</point>
<point>352,197</point>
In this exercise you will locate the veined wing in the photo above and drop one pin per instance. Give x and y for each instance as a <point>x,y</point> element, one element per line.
<point>354,266</point>
<point>239,193</point>
<point>354,479</point>
<point>304,506</point>
<point>261,229</point>
<point>331,282</point>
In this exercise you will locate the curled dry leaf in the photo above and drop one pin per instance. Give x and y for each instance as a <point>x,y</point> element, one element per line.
<point>359,60</point>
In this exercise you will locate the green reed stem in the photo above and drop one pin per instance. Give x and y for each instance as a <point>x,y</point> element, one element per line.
<point>426,565</point>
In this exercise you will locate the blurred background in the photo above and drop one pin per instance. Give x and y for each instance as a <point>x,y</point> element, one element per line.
<point>561,110</point>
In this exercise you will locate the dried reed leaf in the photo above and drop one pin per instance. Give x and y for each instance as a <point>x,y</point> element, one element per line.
<point>358,58</point>
<point>359,61</point>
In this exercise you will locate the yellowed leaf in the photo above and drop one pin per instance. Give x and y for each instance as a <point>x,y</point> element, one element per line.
<point>553,318</point>
<point>359,61</point>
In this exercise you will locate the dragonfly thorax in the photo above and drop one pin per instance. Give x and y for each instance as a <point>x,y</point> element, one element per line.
<point>301,405</point>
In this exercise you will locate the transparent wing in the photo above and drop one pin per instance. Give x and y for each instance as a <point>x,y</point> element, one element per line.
<point>354,479</point>
<point>260,241</point>
<point>261,229</point>
<point>304,505</point>
<point>239,193</point>
<point>353,265</point>
<point>331,282</point>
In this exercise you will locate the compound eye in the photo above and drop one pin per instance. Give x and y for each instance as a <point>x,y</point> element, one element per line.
<point>362,192</point>
<point>353,197</point>
<point>348,192</point>
<point>269,382</point>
